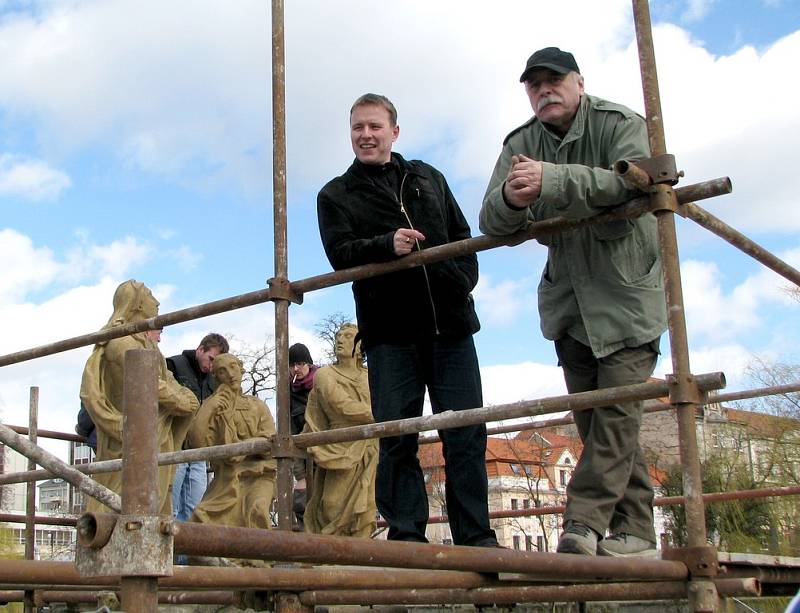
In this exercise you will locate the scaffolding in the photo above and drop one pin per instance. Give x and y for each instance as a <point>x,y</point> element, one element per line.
<point>130,551</point>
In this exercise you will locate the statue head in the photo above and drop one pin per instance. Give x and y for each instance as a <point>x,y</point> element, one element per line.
<point>133,301</point>
<point>227,369</point>
<point>346,346</point>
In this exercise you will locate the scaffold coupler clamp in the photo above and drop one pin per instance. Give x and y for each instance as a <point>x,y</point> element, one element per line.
<point>684,390</point>
<point>124,545</point>
<point>281,289</point>
<point>702,562</point>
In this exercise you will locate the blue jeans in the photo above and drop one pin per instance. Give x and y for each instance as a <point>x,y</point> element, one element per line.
<point>398,376</point>
<point>188,488</point>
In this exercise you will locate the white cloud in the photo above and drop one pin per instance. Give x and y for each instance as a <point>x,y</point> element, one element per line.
<point>731,359</point>
<point>710,312</point>
<point>500,303</point>
<point>506,383</point>
<point>25,267</point>
<point>30,179</point>
<point>697,9</point>
<point>187,258</point>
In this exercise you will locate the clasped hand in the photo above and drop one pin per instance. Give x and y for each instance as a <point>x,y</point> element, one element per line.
<point>524,181</point>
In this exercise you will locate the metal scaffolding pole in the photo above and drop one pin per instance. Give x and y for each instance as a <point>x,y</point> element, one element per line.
<point>661,590</point>
<point>279,545</point>
<point>295,289</point>
<point>702,593</point>
<point>139,468</point>
<point>30,502</point>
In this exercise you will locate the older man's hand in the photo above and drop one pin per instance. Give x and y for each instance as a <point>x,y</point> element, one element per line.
<point>524,181</point>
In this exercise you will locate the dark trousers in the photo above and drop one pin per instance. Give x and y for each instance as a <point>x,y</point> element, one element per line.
<point>398,376</point>
<point>610,488</point>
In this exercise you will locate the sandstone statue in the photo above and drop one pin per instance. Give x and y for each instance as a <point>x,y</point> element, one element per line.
<point>343,495</point>
<point>101,393</point>
<point>243,486</point>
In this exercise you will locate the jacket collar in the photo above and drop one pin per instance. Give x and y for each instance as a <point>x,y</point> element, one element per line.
<point>356,176</point>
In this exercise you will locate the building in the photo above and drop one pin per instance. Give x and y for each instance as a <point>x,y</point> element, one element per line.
<point>529,471</point>
<point>12,496</point>
<point>80,453</point>
<point>51,542</point>
<point>54,496</point>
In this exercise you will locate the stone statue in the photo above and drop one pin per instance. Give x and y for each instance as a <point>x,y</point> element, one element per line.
<point>101,393</point>
<point>343,495</point>
<point>243,486</point>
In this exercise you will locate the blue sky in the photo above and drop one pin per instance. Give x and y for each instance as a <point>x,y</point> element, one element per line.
<point>135,141</point>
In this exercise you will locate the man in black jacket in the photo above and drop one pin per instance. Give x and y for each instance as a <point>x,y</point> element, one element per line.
<point>416,325</point>
<point>192,369</point>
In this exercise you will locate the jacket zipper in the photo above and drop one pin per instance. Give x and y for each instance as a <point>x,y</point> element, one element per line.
<point>424,269</point>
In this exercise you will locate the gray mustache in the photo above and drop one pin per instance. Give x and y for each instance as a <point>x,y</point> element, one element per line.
<point>549,100</point>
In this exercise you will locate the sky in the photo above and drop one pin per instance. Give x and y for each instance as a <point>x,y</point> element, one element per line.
<point>136,142</point>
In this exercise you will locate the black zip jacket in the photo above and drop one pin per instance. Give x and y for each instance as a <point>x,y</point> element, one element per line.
<point>358,217</point>
<point>187,372</point>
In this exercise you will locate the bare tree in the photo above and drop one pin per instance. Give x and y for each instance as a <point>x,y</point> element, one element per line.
<point>326,330</point>
<point>764,373</point>
<point>259,367</point>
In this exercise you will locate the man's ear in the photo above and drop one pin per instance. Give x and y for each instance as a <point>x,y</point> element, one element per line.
<point>395,132</point>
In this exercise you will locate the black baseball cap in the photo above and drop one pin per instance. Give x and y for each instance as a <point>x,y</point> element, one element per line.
<point>553,58</point>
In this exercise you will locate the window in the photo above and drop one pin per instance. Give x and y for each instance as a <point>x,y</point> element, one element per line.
<point>526,504</point>
<point>517,542</point>
<point>529,543</point>
<point>515,469</point>
<point>567,461</point>
<point>514,503</point>
<point>444,510</point>
<point>562,477</point>
<point>540,542</point>
<point>447,541</point>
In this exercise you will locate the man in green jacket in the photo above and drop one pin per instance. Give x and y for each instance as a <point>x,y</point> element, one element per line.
<point>601,295</point>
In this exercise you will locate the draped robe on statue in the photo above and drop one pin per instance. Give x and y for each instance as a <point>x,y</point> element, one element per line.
<point>243,487</point>
<point>101,393</point>
<point>343,495</point>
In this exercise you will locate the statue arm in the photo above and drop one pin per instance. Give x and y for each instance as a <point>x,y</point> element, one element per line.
<point>201,432</point>
<point>348,399</point>
<point>316,420</point>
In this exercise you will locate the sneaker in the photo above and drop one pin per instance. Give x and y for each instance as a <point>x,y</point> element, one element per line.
<point>623,544</point>
<point>577,538</point>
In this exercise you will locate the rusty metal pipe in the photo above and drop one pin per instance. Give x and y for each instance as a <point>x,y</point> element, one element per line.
<point>56,466</point>
<point>741,242</point>
<point>567,402</point>
<point>140,491</point>
<point>30,494</point>
<point>633,175</point>
<point>169,597</point>
<point>690,193</point>
<point>279,545</point>
<point>19,572</point>
<point>711,497</point>
<point>264,446</point>
<point>284,480</point>
<point>95,529</point>
<point>53,434</point>
<point>679,343</point>
<point>249,447</point>
<point>666,590</point>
